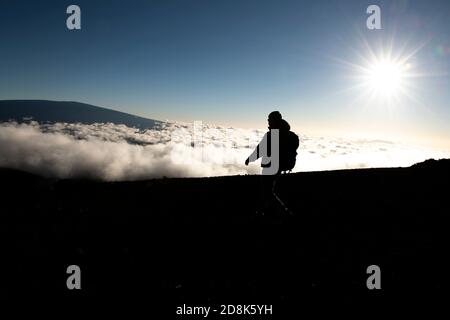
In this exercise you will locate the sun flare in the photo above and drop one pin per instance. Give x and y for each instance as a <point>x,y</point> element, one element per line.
<point>385,77</point>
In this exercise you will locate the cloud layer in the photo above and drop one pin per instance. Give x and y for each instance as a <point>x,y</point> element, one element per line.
<point>116,152</point>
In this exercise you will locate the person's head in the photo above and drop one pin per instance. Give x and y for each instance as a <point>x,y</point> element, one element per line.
<point>274,120</point>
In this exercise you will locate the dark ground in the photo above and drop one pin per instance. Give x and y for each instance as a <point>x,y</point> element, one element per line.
<point>172,241</point>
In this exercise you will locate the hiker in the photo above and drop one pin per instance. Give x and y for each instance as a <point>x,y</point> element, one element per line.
<point>278,151</point>
<point>278,147</point>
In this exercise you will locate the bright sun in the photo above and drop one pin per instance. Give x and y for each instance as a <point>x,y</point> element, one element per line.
<point>385,77</point>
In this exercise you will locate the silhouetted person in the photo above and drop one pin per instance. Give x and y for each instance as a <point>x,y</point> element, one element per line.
<point>278,151</point>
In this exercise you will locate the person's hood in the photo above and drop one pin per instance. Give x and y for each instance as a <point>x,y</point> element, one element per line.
<point>282,125</point>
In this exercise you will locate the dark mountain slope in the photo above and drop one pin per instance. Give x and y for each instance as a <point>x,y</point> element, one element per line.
<point>175,241</point>
<point>71,112</point>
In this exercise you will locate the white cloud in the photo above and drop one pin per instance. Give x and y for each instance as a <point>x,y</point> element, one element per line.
<point>331,154</point>
<point>114,152</point>
<point>117,152</point>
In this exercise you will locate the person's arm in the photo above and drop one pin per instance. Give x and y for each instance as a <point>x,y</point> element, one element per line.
<point>256,154</point>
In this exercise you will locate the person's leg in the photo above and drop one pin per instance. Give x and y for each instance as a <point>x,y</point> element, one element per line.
<point>277,198</point>
<point>265,193</point>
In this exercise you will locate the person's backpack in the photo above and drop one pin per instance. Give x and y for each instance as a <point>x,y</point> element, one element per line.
<point>288,150</point>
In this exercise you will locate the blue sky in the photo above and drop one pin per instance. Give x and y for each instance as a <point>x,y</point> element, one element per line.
<point>231,62</point>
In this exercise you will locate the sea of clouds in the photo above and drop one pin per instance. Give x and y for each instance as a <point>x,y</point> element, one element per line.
<point>117,152</point>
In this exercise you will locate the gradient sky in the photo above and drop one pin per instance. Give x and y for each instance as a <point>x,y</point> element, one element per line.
<point>231,62</point>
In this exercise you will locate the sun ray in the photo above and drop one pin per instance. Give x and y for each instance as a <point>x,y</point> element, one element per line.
<point>382,74</point>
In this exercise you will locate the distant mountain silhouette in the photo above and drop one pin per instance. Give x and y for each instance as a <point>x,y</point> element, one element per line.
<point>66,111</point>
